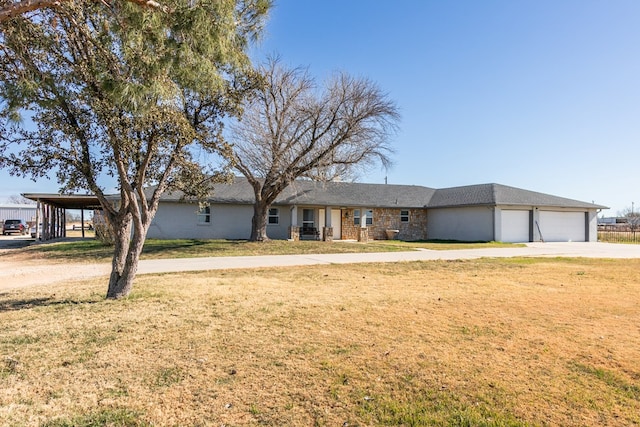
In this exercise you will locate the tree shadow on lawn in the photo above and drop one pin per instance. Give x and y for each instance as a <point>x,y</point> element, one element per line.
<point>152,246</point>
<point>29,303</point>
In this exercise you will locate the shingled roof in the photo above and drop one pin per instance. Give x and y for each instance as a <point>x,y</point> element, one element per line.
<point>387,195</point>
<point>498,194</point>
<point>326,194</point>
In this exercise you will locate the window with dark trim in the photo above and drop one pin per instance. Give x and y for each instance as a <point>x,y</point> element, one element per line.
<point>204,216</point>
<point>356,217</point>
<point>404,216</point>
<point>274,216</point>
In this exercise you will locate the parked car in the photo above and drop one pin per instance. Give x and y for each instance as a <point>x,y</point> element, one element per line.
<point>33,231</point>
<point>14,226</point>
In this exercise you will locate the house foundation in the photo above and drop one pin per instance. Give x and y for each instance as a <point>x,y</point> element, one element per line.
<point>294,233</point>
<point>327,234</point>
<point>363,235</point>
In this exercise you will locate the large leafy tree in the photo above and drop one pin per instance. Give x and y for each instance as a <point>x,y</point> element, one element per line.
<point>12,8</point>
<point>104,91</point>
<point>292,129</point>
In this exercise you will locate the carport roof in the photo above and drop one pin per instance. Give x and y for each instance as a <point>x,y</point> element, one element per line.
<point>66,201</point>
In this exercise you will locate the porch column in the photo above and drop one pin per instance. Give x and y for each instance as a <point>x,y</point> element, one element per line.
<point>327,230</point>
<point>294,230</point>
<point>363,231</point>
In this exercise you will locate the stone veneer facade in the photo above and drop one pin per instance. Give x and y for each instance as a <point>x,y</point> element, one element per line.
<point>388,219</point>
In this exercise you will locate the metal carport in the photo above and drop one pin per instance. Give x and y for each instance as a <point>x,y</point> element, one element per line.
<point>51,211</point>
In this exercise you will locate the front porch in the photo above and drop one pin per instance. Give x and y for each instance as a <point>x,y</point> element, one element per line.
<point>329,223</point>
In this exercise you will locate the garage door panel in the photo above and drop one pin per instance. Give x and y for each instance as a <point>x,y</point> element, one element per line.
<point>562,226</point>
<point>515,226</point>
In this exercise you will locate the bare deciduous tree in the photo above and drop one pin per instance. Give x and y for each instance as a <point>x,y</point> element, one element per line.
<point>291,130</point>
<point>632,217</point>
<point>20,200</point>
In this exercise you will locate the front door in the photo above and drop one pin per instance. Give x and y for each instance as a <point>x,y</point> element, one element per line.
<point>336,218</point>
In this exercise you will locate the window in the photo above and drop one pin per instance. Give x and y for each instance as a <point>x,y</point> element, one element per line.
<point>356,217</point>
<point>204,216</point>
<point>274,216</point>
<point>404,216</point>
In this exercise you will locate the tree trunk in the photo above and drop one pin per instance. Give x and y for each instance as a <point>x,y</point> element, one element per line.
<point>125,258</point>
<point>259,222</point>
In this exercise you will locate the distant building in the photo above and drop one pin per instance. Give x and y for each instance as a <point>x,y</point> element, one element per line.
<point>611,220</point>
<point>27,213</point>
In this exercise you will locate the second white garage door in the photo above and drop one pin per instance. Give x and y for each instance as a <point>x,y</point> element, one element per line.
<point>515,226</point>
<point>562,226</point>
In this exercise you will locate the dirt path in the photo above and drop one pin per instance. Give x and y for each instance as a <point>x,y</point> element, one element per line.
<point>18,273</point>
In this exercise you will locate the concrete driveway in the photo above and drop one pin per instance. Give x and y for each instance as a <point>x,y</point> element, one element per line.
<point>587,250</point>
<point>12,276</point>
<point>14,241</point>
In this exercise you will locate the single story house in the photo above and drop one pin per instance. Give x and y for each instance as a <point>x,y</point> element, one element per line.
<point>346,210</point>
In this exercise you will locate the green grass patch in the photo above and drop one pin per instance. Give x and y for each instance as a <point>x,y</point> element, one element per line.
<point>167,377</point>
<point>434,408</point>
<point>96,251</point>
<point>444,245</point>
<point>610,378</point>
<point>106,417</point>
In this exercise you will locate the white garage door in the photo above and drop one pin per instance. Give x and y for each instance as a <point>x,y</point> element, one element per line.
<point>515,226</point>
<point>562,226</point>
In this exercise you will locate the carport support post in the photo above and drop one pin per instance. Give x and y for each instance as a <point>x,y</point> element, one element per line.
<point>38,219</point>
<point>45,221</point>
<point>82,221</point>
<point>53,224</point>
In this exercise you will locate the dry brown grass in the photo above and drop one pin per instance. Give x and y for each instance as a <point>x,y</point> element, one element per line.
<point>487,342</point>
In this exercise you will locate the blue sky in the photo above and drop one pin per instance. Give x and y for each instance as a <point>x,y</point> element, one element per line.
<point>542,95</point>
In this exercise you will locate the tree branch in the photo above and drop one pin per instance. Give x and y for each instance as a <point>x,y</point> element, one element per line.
<point>12,9</point>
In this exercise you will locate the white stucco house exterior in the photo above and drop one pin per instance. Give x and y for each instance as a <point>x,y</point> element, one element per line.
<point>341,210</point>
